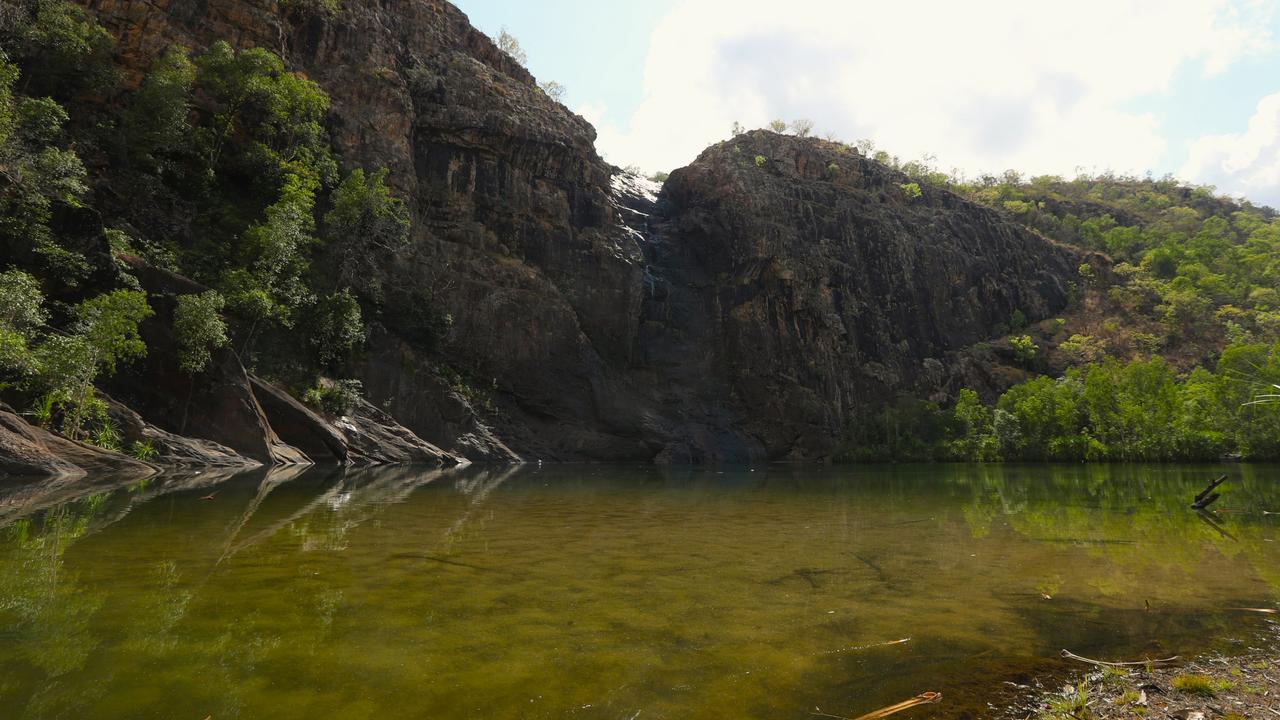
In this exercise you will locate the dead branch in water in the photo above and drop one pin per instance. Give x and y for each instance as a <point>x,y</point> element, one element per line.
<point>923,698</point>
<point>1153,663</point>
<point>853,648</point>
<point>1207,496</point>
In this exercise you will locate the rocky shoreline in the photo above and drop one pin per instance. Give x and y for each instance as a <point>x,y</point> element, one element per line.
<point>1232,687</point>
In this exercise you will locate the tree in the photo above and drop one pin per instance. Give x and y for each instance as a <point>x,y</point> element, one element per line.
<point>109,323</point>
<point>156,121</point>
<point>553,89</point>
<point>104,335</point>
<point>337,327</point>
<point>508,44</point>
<point>35,175</point>
<point>1024,349</point>
<point>737,129</point>
<point>199,329</point>
<point>778,126</point>
<point>63,51</point>
<point>801,127</point>
<point>268,285</point>
<point>274,116</point>
<point>21,315</point>
<point>367,223</point>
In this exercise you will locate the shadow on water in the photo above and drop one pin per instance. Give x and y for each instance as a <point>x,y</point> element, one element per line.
<point>602,592</point>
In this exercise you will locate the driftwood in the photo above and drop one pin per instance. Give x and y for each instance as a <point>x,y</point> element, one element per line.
<point>1153,663</point>
<point>1207,496</point>
<point>853,648</point>
<point>923,698</point>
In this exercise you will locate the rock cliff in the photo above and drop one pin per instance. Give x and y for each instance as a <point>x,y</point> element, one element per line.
<point>772,293</point>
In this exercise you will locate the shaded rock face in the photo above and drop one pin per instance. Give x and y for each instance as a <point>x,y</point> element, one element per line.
<point>515,234</point>
<point>172,451</point>
<point>396,378</point>
<point>216,404</point>
<point>749,312</point>
<point>813,285</point>
<point>363,436</point>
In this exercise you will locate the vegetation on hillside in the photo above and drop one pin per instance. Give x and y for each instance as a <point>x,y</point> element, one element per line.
<point>231,180</point>
<point>1161,354</point>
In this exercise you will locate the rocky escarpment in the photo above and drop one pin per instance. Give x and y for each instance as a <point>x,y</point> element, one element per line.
<point>814,284</point>
<point>774,292</point>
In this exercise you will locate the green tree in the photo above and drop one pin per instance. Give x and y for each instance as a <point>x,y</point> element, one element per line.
<point>366,225</point>
<point>337,327</point>
<point>156,123</point>
<point>21,315</point>
<point>268,285</point>
<point>975,429</point>
<point>249,99</point>
<point>105,334</point>
<point>35,174</point>
<point>61,48</point>
<point>1024,348</point>
<point>199,329</point>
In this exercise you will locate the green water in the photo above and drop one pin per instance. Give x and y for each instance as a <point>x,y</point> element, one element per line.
<point>607,592</point>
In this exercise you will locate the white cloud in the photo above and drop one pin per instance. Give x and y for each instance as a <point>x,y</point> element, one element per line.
<point>1043,87</point>
<point>1246,163</point>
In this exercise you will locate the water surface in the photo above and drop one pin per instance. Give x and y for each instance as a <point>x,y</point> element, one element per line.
<point>611,592</point>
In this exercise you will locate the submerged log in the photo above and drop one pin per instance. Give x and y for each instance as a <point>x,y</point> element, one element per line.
<point>1102,663</point>
<point>1207,496</point>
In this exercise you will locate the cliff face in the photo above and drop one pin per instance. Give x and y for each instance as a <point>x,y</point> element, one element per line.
<point>750,311</point>
<point>825,287</point>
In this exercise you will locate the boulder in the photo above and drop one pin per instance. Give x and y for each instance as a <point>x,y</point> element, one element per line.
<point>27,450</point>
<point>216,404</point>
<point>364,435</point>
<point>172,451</point>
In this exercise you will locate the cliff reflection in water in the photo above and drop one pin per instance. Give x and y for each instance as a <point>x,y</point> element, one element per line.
<point>590,591</point>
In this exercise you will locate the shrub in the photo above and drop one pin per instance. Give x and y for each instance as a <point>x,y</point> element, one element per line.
<point>760,161</point>
<point>335,397</point>
<point>833,170</point>
<point>553,89</point>
<point>1024,349</point>
<point>911,190</point>
<point>802,127</point>
<point>143,450</point>
<point>1193,684</point>
<point>1083,348</point>
<point>778,126</point>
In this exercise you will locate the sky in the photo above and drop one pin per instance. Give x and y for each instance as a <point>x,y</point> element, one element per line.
<point>1185,87</point>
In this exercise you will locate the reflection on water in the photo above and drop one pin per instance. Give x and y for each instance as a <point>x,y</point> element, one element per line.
<point>596,592</point>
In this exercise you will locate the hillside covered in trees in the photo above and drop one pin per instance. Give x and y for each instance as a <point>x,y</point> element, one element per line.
<point>1166,352</point>
<point>332,216</point>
